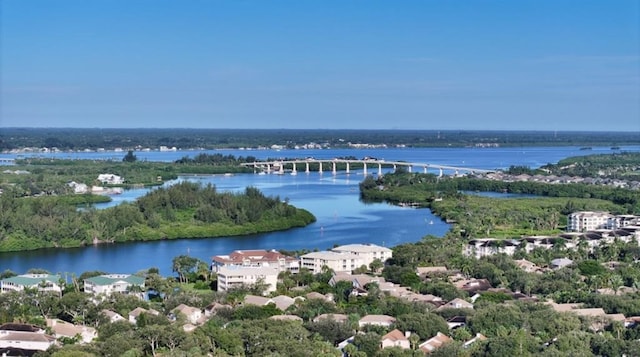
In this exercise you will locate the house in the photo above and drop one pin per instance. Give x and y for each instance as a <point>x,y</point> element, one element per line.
<point>135,314</point>
<point>485,247</point>
<point>560,263</point>
<point>377,320</point>
<point>283,302</point>
<point>42,282</point>
<point>112,283</point>
<point>396,338</point>
<point>112,316</point>
<point>110,179</point>
<point>336,317</point>
<point>24,343</point>
<point>192,314</point>
<point>476,338</point>
<point>430,271</point>
<point>456,321</point>
<point>256,258</point>
<point>78,188</point>
<point>213,308</point>
<point>59,328</point>
<point>237,276</point>
<point>472,286</point>
<point>316,295</point>
<point>286,318</point>
<point>457,303</point>
<point>528,266</point>
<point>434,343</point>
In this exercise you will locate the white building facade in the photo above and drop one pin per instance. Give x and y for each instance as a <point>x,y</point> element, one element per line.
<point>230,277</point>
<point>587,221</point>
<point>42,282</point>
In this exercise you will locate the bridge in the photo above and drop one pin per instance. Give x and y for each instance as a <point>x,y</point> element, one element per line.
<point>280,166</point>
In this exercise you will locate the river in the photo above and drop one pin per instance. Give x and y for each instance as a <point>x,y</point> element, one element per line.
<point>334,200</point>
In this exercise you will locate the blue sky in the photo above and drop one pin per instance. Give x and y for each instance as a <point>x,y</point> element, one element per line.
<point>508,65</point>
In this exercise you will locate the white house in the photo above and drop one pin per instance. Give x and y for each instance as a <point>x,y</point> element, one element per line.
<point>110,179</point>
<point>377,320</point>
<point>396,338</point>
<point>25,340</point>
<point>112,283</point>
<point>135,314</point>
<point>192,314</point>
<point>42,282</point>
<point>230,277</point>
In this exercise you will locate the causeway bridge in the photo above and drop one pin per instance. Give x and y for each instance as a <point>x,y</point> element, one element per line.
<point>292,166</point>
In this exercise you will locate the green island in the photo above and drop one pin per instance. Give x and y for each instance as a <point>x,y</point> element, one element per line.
<point>39,208</point>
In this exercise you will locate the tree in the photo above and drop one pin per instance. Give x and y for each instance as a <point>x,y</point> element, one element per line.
<point>376,265</point>
<point>183,265</point>
<point>130,157</point>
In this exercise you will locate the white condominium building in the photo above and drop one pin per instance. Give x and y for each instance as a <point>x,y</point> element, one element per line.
<point>338,262</point>
<point>236,276</point>
<point>367,252</point>
<point>345,258</point>
<point>587,221</point>
<point>255,258</point>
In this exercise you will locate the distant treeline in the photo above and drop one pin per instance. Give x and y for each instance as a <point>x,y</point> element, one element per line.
<point>84,138</point>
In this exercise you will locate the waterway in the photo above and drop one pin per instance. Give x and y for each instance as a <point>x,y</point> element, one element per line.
<point>334,200</point>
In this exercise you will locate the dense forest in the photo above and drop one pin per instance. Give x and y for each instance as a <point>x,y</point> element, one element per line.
<point>184,210</point>
<point>80,139</point>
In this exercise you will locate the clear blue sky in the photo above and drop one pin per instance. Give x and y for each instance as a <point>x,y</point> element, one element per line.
<point>475,64</point>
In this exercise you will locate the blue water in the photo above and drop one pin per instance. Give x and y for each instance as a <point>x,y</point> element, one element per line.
<point>334,200</point>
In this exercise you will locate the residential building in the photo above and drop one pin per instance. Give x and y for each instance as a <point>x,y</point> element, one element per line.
<point>59,328</point>
<point>457,303</point>
<point>286,318</point>
<point>112,283</point>
<point>345,258</point>
<point>583,221</point>
<point>434,342</point>
<point>479,248</point>
<point>42,282</point>
<point>24,342</point>
<point>377,320</point>
<point>338,262</point>
<point>474,339</point>
<point>335,317</point>
<point>396,338</point>
<point>256,258</point>
<point>230,277</point>
<point>192,314</point>
<point>110,179</point>
<point>367,252</point>
<point>112,316</point>
<point>560,263</point>
<point>135,314</point>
